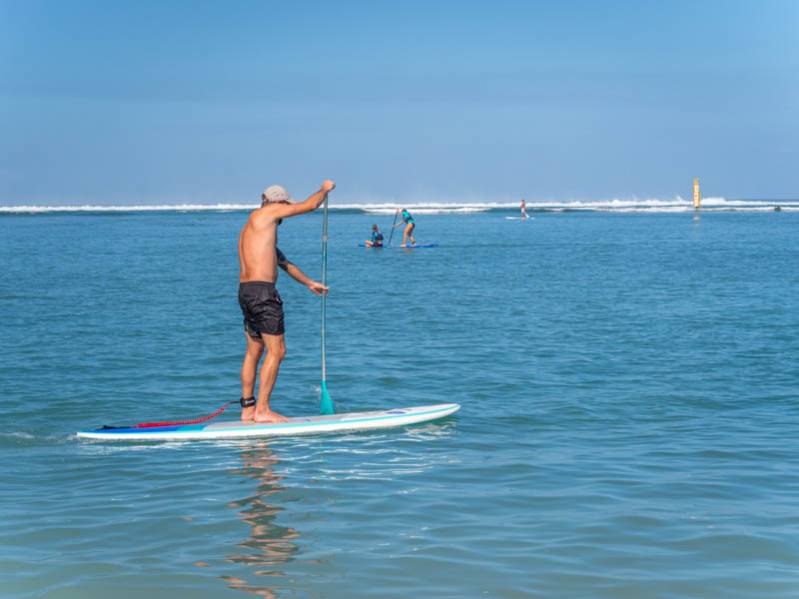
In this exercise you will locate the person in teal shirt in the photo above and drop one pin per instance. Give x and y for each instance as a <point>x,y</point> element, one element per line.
<point>377,238</point>
<point>410,225</point>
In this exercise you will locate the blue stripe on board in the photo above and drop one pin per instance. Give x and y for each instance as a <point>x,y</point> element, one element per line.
<point>160,429</point>
<point>196,427</point>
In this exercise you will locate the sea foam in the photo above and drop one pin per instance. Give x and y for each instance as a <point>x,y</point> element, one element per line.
<point>646,205</point>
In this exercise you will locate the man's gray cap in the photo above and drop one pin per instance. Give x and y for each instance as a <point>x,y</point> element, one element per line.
<point>275,193</point>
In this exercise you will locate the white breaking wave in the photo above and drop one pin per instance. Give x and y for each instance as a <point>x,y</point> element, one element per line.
<point>648,205</point>
<point>423,210</point>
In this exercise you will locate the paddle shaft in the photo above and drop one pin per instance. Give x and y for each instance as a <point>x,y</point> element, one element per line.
<point>325,403</point>
<point>324,295</point>
<point>396,214</point>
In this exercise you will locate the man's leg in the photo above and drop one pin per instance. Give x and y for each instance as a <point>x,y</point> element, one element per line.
<point>410,234</point>
<point>275,352</point>
<point>405,235</point>
<point>255,348</point>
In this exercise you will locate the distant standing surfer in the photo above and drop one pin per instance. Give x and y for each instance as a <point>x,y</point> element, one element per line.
<point>407,233</point>
<point>523,208</point>
<point>260,302</point>
<point>377,238</point>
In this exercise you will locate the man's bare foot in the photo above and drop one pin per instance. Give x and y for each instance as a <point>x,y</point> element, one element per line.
<point>270,416</point>
<point>247,414</point>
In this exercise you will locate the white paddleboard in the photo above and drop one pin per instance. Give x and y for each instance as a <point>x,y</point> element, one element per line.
<point>303,425</point>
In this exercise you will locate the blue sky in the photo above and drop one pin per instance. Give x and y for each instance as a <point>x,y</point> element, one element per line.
<point>165,102</point>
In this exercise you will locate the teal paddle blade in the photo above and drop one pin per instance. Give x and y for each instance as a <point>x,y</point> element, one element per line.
<point>325,403</point>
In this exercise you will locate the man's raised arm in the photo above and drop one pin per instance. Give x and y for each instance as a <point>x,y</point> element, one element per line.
<point>309,205</point>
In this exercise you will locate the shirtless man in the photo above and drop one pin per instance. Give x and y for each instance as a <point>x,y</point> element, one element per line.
<point>260,302</point>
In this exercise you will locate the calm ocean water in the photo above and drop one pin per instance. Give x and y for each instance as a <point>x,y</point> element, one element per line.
<point>629,426</point>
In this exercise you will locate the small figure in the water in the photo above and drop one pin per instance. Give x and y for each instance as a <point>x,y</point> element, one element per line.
<point>523,208</point>
<point>407,220</point>
<point>377,238</point>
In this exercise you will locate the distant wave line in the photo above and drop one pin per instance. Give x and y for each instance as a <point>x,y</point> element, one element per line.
<point>677,204</point>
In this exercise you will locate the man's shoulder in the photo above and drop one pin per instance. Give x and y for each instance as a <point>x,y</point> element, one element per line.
<point>262,216</point>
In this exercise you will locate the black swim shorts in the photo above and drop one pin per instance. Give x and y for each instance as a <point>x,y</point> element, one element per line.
<point>262,308</point>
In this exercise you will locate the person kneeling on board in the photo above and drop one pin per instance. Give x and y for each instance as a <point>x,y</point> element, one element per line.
<point>377,238</point>
<point>260,302</point>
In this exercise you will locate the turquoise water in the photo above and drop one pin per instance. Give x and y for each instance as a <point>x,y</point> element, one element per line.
<point>629,389</point>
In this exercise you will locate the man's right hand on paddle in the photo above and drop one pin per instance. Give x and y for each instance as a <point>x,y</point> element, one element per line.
<point>317,288</point>
<point>328,185</point>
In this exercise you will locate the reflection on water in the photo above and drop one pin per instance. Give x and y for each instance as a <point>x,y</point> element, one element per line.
<point>269,545</point>
<point>385,458</point>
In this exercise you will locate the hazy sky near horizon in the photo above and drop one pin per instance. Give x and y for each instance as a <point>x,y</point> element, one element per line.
<point>167,101</point>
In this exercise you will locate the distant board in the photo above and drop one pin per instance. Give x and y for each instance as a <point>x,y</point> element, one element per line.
<point>421,246</point>
<point>303,425</point>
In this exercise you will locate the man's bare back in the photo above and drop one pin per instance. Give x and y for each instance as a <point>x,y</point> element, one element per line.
<point>257,241</point>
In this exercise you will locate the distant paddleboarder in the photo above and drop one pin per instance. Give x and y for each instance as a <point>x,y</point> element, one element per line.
<point>523,208</point>
<point>260,302</point>
<point>376,240</point>
<point>410,225</point>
